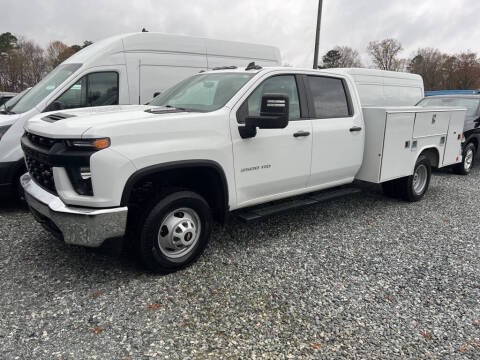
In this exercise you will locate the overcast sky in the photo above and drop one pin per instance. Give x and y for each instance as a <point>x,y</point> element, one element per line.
<point>450,25</point>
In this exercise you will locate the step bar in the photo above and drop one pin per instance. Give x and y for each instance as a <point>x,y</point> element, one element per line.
<point>277,207</point>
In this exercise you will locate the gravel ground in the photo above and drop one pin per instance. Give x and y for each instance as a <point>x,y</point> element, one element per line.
<point>360,277</point>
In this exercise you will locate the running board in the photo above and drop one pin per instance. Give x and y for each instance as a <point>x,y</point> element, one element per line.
<point>261,211</point>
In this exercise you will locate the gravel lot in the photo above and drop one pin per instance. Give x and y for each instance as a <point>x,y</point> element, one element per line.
<point>361,277</point>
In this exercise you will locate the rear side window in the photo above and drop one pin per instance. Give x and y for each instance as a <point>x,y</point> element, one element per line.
<point>329,97</point>
<point>95,89</point>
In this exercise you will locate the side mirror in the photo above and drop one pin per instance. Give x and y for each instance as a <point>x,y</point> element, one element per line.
<point>273,115</point>
<point>156,93</point>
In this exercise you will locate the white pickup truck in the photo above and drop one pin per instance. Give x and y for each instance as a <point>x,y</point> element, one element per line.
<point>250,141</point>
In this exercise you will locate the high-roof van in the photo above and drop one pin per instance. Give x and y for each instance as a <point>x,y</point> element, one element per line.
<point>123,69</point>
<point>385,88</point>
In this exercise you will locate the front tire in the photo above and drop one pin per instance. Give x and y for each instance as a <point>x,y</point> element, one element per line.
<point>175,232</point>
<point>465,167</point>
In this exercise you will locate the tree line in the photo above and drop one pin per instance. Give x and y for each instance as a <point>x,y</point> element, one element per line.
<point>440,71</point>
<point>23,63</point>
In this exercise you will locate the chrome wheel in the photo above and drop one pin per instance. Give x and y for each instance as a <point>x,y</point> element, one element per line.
<point>467,163</point>
<point>420,178</point>
<point>179,232</point>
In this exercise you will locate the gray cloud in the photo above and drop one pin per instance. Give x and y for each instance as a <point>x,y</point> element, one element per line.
<point>290,25</point>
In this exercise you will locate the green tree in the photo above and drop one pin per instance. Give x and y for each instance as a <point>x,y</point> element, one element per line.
<point>7,42</point>
<point>331,59</point>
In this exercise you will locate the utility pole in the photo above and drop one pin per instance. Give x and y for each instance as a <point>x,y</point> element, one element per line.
<point>317,36</point>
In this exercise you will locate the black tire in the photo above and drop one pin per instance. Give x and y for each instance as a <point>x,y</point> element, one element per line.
<point>149,249</point>
<point>407,184</point>
<point>390,188</point>
<point>17,186</point>
<point>464,168</point>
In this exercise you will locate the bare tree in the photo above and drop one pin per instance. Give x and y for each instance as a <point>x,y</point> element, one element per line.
<point>449,65</point>
<point>348,57</point>
<point>58,52</point>
<point>385,53</point>
<point>428,63</point>
<point>22,66</point>
<point>467,72</point>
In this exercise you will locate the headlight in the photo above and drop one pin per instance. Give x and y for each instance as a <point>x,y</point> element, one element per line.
<point>92,144</point>
<point>3,130</point>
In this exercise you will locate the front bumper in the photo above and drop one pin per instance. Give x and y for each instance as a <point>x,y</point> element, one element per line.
<point>76,225</point>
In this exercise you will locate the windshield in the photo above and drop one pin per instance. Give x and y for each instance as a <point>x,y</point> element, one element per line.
<point>205,92</point>
<point>11,102</point>
<point>470,104</point>
<point>49,83</point>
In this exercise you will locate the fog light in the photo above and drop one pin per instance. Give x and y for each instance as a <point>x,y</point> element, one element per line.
<point>85,173</point>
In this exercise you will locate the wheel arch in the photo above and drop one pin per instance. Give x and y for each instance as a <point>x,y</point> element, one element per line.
<point>474,140</point>
<point>219,200</point>
<point>433,155</point>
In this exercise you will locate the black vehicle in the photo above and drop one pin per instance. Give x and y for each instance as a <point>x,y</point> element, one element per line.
<point>471,129</point>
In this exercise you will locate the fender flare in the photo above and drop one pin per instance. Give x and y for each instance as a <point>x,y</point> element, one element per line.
<point>181,164</point>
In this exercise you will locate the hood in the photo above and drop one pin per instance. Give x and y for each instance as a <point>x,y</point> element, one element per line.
<point>74,123</point>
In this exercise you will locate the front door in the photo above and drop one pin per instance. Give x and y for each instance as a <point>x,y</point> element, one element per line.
<point>276,162</point>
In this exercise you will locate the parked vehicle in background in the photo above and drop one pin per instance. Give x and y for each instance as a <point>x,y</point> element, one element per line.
<point>471,130</point>
<point>124,69</point>
<point>5,96</point>
<point>9,104</point>
<point>248,142</point>
<point>451,92</point>
<point>386,88</point>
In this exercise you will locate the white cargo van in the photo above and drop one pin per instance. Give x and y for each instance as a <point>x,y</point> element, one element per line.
<point>385,88</point>
<point>124,69</point>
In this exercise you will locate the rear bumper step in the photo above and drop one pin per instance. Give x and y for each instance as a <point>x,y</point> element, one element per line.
<point>261,211</point>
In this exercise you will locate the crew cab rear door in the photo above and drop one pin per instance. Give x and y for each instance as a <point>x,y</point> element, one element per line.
<point>275,163</point>
<point>338,130</point>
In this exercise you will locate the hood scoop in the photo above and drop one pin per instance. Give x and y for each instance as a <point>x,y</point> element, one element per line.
<point>164,110</point>
<point>57,116</point>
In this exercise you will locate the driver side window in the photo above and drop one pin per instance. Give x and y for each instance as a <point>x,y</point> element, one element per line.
<point>95,89</point>
<point>281,84</point>
<point>75,96</point>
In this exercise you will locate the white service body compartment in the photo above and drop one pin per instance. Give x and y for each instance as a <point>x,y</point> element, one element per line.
<point>395,137</point>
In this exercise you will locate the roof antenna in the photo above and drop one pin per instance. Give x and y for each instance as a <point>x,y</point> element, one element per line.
<point>253,66</point>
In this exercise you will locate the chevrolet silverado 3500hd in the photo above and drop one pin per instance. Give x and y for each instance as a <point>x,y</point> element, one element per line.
<point>234,140</point>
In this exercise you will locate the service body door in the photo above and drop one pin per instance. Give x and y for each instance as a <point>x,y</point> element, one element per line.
<point>453,148</point>
<point>338,133</point>
<point>276,162</point>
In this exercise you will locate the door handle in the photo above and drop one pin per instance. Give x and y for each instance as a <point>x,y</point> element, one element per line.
<point>301,133</point>
<point>355,128</point>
